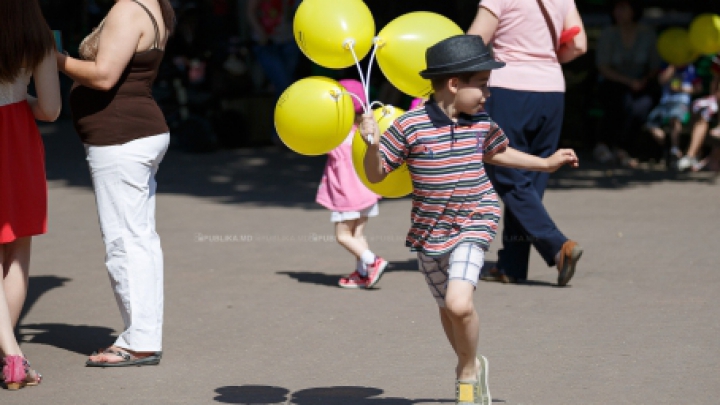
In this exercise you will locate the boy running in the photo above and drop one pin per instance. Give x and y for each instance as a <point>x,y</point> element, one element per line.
<point>455,211</point>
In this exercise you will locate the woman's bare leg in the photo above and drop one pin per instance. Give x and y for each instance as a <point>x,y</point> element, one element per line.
<point>15,259</point>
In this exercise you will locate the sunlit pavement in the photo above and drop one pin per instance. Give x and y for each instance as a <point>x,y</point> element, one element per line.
<point>253,314</point>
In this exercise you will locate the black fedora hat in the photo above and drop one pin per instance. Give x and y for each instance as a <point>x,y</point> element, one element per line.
<point>459,54</point>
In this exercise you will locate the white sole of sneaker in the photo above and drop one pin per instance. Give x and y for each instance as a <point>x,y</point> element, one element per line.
<point>352,287</point>
<point>483,379</point>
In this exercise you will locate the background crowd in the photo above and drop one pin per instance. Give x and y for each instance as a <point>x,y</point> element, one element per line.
<point>230,60</point>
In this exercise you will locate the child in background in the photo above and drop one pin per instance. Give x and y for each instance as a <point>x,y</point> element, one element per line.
<point>351,204</point>
<point>417,103</point>
<point>704,109</point>
<point>679,84</point>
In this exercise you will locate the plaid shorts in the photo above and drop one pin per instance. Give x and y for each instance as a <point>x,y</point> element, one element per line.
<point>462,263</point>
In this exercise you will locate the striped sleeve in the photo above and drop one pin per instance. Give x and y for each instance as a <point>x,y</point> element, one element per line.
<point>495,140</point>
<point>393,147</point>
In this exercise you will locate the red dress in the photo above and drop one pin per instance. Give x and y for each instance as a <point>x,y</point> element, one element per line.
<point>23,189</point>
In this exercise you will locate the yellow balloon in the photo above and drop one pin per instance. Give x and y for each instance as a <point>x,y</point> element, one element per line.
<point>674,47</point>
<point>402,45</point>
<point>323,28</point>
<point>398,183</point>
<point>705,34</point>
<point>314,115</point>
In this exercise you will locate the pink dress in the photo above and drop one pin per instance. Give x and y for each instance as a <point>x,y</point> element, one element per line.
<point>340,188</point>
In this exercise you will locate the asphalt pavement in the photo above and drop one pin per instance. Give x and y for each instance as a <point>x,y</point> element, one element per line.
<point>254,316</point>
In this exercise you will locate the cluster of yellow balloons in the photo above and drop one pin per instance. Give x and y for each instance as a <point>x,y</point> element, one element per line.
<point>678,46</point>
<point>314,115</point>
<point>338,33</point>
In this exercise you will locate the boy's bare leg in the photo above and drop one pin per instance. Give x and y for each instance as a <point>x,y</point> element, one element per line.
<point>447,327</point>
<point>462,327</point>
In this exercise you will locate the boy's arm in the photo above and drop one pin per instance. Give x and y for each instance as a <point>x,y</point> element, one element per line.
<point>516,159</point>
<point>372,161</point>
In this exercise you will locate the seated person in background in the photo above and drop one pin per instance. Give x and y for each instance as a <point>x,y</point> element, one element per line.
<point>628,63</point>
<point>704,109</point>
<point>678,86</point>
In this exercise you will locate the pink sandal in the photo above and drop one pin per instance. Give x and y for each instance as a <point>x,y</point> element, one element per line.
<point>17,373</point>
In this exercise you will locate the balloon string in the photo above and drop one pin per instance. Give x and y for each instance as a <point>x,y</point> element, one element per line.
<point>356,98</point>
<point>376,103</point>
<point>369,72</point>
<point>362,78</point>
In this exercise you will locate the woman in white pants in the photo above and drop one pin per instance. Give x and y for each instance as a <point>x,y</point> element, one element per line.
<point>125,137</point>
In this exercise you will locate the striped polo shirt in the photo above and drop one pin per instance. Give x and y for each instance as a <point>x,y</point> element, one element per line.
<point>453,199</point>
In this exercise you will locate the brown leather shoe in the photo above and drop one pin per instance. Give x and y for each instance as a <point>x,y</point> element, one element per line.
<point>570,253</point>
<point>495,274</point>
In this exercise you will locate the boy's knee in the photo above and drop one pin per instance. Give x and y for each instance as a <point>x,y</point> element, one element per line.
<point>459,308</point>
<point>460,304</point>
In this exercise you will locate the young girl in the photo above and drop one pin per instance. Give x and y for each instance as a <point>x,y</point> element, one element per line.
<point>351,204</point>
<point>26,50</point>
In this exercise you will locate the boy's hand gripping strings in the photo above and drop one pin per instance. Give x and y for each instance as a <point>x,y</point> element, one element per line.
<point>369,129</point>
<point>372,161</point>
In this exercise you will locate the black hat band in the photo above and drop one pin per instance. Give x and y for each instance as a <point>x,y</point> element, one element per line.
<point>467,63</point>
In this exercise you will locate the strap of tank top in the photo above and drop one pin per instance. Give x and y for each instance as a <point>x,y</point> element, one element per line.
<point>157,29</point>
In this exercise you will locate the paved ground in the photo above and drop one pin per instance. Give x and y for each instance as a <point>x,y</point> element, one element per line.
<point>253,315</point>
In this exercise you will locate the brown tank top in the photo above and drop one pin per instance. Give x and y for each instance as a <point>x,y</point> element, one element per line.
<point>127,111</point>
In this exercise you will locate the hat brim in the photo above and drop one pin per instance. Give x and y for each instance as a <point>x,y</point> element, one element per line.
<point>486,65</point>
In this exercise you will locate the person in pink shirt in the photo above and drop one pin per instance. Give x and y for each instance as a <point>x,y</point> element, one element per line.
<point>351,204</point>
<point>527,102</point>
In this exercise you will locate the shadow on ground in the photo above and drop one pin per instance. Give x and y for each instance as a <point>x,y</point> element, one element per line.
<point>331,280</point>
<point>263,176</point>
<point>271,176</point>
<point>75,338</point>
<point>267,395</point>
<point>595,175</point>
<point>37,287</point>
<point>82,339</point>
<point>528,283</point>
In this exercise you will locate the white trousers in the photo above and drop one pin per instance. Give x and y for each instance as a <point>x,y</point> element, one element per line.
<point>124,181</point>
